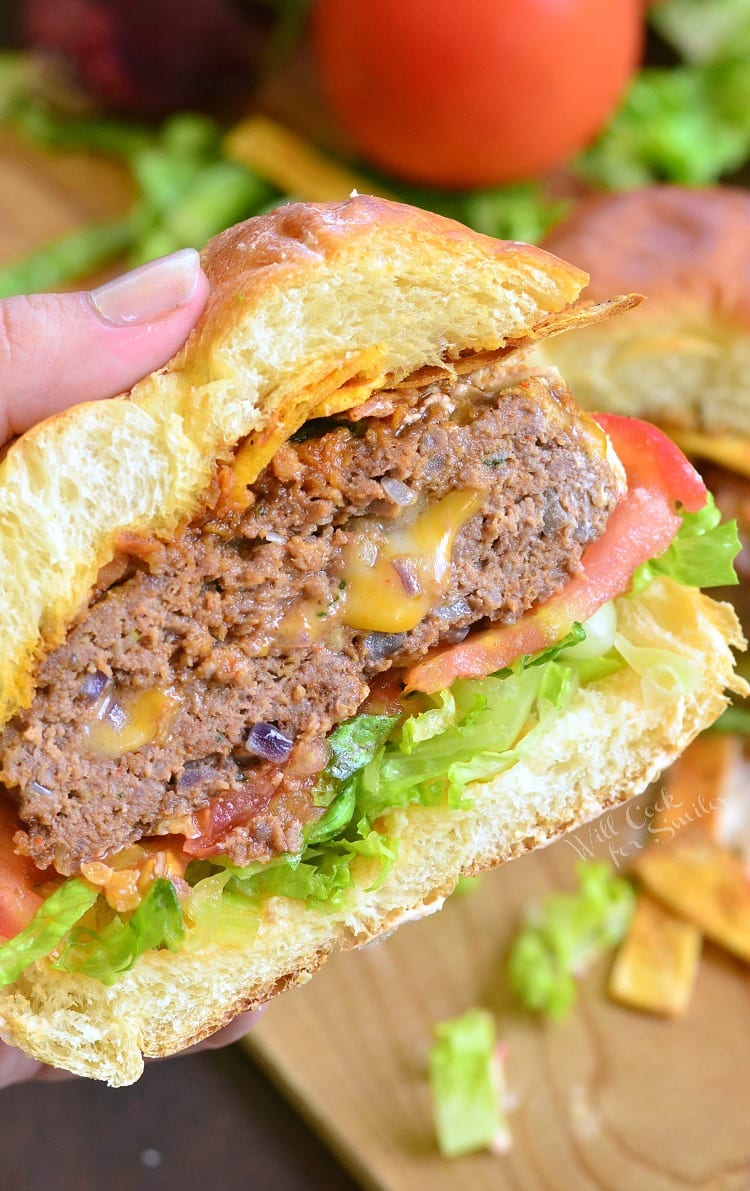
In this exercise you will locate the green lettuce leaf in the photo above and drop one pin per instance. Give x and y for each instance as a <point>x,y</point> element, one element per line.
<point>703,30</point>
<point>49,926</point>
<point>701,555</point>
<point>466,1085</point>
<point>356,742</point>
<point>687,124</point>
<point>565,934</point>
<point>106,951</point>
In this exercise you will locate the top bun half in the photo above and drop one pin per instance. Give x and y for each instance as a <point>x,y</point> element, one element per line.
<point>683,358</point>
<point>311,308</point>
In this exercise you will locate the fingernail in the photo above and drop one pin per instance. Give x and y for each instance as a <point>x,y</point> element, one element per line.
<point>149,291</point>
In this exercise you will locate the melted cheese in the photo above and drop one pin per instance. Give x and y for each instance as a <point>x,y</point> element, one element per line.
<point>127,724</point>
<point>392,579</point>
<point>304,623</point>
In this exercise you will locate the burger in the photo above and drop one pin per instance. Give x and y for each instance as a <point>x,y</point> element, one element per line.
<point>346,601</point>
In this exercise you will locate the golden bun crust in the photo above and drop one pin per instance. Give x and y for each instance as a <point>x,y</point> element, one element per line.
<point>308,303</point>
<point>683,357</point>
<point>608,745</point>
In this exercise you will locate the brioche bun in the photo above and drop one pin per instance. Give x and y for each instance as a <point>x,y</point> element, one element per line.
<point>312,307</point>
<point>683,358</point>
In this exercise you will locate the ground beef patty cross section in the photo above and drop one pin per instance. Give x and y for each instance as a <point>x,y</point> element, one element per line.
<point>236,623</point>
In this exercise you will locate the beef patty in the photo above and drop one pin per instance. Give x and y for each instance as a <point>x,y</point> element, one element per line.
<point>353,557</point>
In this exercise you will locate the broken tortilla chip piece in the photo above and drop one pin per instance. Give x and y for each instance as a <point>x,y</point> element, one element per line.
<point>657,963</point>
<point>696,789</point>
<point>706,884</point>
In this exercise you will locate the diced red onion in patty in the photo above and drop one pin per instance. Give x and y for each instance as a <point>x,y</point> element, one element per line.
<point>38,788</point>
<point>407,573</point>
<point>196,773</point>
<point>269,742</point>
<point>93,684</point>
<point>453,611</point>
<point>397,491</point>
<point>383,645</point>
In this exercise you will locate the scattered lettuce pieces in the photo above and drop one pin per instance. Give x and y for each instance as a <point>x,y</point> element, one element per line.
<point>565,934</point>
<point>467,1087</point>
<point>49,926</point>
<point>105,951</point>
<point>702,554</point>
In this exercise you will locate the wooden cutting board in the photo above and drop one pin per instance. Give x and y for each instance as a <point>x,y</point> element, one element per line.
<point>608,1099</point>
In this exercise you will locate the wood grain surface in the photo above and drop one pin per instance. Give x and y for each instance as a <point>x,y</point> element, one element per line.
<point>607,1099</point>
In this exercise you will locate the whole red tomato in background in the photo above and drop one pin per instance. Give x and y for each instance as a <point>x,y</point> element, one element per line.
<point>463,93</point>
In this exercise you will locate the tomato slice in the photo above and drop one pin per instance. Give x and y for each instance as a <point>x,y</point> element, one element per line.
<point>653,460</point>
<point>641,526</point>
<point>18,901</point>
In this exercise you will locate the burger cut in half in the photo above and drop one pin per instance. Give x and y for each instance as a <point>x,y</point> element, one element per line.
<point>344,602</point>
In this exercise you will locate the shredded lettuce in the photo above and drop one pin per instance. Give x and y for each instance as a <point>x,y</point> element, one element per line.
<point>664,674</point>
<point>105,951</point>
<point>565,934</point>
<point>466,1086</point>
<point>49,926</point>
<point>701,555</point>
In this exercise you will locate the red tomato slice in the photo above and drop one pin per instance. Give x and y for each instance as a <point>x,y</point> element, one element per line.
<point>641,526</point>
<point>653,460</point>
<point>18,901</point>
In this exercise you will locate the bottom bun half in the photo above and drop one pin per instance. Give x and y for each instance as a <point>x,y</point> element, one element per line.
<point>614,737</point>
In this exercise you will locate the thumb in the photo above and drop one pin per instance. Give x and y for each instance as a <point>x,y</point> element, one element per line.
<point>60,349</point>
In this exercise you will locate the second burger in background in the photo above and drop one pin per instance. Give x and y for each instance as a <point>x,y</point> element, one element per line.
<point>681,359</point>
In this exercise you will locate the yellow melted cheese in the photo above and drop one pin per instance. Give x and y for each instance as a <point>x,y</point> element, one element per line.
<point>130,723</point>
<point>375,597</point>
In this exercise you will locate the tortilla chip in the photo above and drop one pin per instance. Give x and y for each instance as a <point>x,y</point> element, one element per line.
<point>706,884</point>
<point>656,966</point>
<point>696,788</point>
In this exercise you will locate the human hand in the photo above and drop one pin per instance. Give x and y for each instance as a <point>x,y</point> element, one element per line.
<point>58,350</point>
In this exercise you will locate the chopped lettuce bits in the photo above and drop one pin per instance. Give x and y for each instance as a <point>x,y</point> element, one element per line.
<point>467,1086</point>
<point>565,934</point>
<point>337,816</point>
<point>430,723</point>
<point>576,635</point>
<point>321,875</point>
<point>49,926</point>
<point>106,950</point>
<point>701,555</point>
<point>665,675</point>
<point>598,635</point>
<point>216,915</point>
<point>356,742</point>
